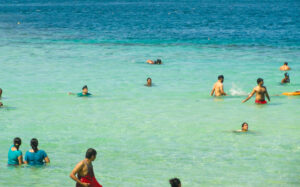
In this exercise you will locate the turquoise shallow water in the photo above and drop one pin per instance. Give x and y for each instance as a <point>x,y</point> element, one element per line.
<point>144,136</point>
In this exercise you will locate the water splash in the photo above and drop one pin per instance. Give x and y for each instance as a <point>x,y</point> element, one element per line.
<point>236,91</point>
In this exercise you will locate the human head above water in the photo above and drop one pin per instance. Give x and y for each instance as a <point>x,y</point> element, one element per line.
<point>149,81</point>
<point>85,89</point>
<point>221,78</point>
<point>286,75</point>
<point>260,81</point>
<point>158,61</point>
<point>34,144</point>
<point>285,63</point>
<point>91,154</point>
<point>0,92</point>
<point>175,182</point>
<point>17,142</point>
<point>245,126</point>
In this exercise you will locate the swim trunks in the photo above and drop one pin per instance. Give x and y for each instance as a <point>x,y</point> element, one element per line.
<point>260,102</point>
<point>89,178</point>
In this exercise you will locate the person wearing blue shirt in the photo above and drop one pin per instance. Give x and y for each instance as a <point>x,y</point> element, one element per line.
<point>35,156</point>
<point>14,154</point>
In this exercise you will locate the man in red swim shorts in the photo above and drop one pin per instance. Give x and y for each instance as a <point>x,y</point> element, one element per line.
<point>85,172</point>
<point>260,91</point>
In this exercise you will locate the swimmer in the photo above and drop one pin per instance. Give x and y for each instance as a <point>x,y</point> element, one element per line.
<point>1,93</point>
<point>218,88</point>
<point>175,182</point>
<point>244,128</point>
<point>15,156</point>
<point>286,78</point>
<point>84,93</point>
<point>1,104</point>
<point>285,67</point>
<point>158,61</point>
<point>260,91</point>
<point>149,82</point>
<point>36,156</point>
<point>84,171</point>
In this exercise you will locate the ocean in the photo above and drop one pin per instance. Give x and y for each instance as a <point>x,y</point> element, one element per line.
<point>145,136</point>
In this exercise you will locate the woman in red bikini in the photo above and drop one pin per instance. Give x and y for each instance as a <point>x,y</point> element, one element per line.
<point>84,171</point>
<point>260,91</point>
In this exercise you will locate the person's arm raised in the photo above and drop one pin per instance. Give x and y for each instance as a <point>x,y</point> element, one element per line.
<point>251,94</point>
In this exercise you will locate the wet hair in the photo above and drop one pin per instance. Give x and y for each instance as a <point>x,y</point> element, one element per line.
<point>17,142</point>
<point>84,87</point>
<point>175,182</point>
<point>158,61</point>
<point>220,77</point>
<point>259,80</point>
<point>285,63</point>
<point>34,144</point>
<point>148,79</point>
<point>243,124</point>
<point>90,152</point>
<point>286,74</point>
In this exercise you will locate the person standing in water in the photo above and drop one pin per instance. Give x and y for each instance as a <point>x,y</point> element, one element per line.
<point>36,156</point>
<point>285,67</point>
<point>84,93</point>
<point>175,182</point>
<point>260,91</point>
<point>218,88</point>
<point>149,82</point>
<point>286,78</point>
<point>14,154</point>
<point>84,171</point>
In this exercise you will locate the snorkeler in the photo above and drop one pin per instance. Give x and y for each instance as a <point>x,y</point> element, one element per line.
<point>260,91</point>
<point>14,154</point>
<point>36,156</point>
<point>286,78</point>
<point>285,67</point>
<point>244,127</point>
<point>158,61</point>
<point>175,182</point>
<point>218,88</point>
<point>149,82</point>
<point>84,171</point>
<point>84,93</point>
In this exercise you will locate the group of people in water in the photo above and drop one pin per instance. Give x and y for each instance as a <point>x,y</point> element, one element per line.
<point>83,173</point>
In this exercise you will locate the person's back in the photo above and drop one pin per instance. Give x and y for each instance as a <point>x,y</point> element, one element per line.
<point>35,156</point>
<point>14,154</point>
<point>175,182</point>
<point>285,67</point>
<point>218,89</point>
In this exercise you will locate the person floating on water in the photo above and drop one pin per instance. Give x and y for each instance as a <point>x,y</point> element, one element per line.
<point>260,91</point>
<point>36,156</point>
<point>158,61</point>
<point>84,93</point>
<point>285,67</point>
<point>14,154</point>
<point>244,127</point>
<point>286,78</point>
<point>84,171</point>
<point>175,182</point>
<point>218,88</point>
<point>149,82</point>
